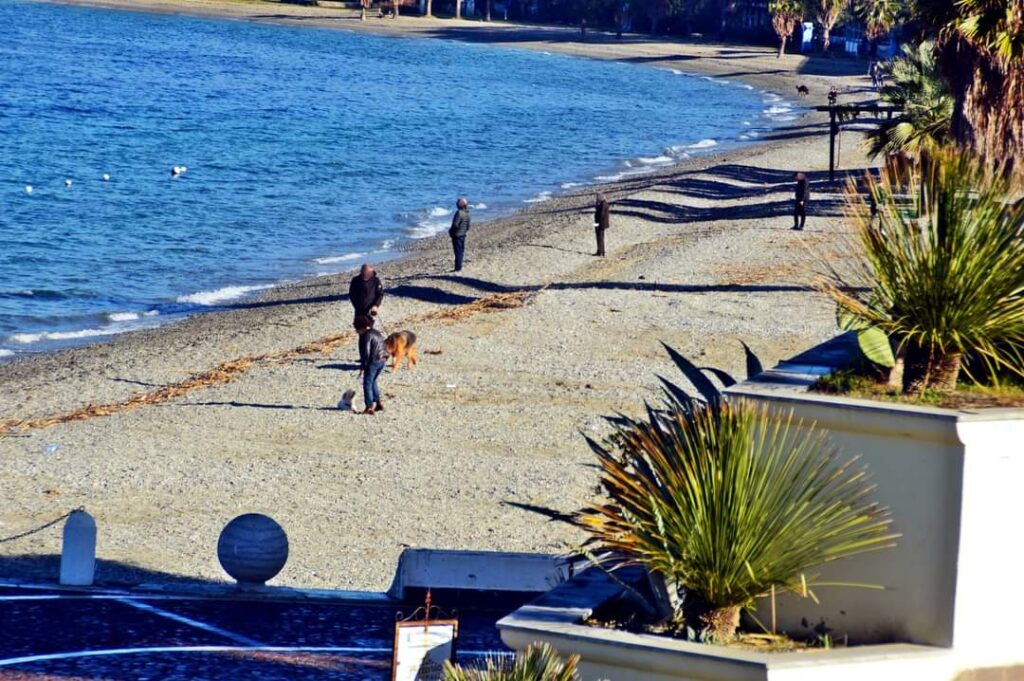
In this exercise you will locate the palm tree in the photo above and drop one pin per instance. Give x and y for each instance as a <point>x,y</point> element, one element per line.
<point>458,9</point>
<point>828,13</point>
<point>916,87</point>
<point>938,265</point>
<point>981,45</point>
<point>725,502</point>
<point>539,662</point>
<point>785,16</point>
<point>429,8</point>
<point>879,17</point>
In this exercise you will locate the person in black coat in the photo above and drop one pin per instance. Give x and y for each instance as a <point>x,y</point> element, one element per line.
<point>459,230</point>
<point>800,199</point>
<point>602,218</point>
<point>366,292</point>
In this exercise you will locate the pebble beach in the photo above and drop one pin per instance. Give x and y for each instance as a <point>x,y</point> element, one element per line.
<point>166,434</point>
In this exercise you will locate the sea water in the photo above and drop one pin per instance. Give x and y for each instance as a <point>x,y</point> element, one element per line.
<point>301,151</point>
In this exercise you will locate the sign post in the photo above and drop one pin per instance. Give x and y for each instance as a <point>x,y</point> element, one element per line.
<point>421,647</point>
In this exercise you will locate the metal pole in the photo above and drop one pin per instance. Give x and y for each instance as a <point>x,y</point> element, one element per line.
<point>831,144</point>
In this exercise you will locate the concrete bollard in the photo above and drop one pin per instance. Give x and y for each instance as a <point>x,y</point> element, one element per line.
<point>78,552</point>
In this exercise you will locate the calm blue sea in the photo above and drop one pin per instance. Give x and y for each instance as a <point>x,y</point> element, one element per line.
<point>306,150</point>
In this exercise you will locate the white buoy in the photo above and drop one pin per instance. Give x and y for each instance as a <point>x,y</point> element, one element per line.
<point>28,189</point>
<point>67,183</point>
<point>78,551</point>
<point>106,177</point>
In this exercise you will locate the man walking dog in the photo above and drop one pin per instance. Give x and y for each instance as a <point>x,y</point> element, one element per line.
<point>366,292</point>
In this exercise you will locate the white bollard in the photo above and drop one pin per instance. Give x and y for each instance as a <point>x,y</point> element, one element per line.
<point>78,552</point>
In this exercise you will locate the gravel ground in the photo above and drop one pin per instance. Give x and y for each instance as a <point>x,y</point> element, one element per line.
<point>700,257</point>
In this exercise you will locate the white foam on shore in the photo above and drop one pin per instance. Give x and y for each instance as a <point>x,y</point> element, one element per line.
<point>571,185</point>
<point>29,338</point>
<point>703,144</point>
<point>348,257</point>
<point>480,206</point>
<point>123,316</point>
<point>4,352</point>
<point>438,212</point>
<point>539,198</point>
<point>220,295</point>
<point>655,160</point>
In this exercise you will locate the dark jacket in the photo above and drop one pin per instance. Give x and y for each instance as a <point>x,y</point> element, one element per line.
<point>371,348</point>
<point>803,191</point>
<point>460,223</point>
<point>365,293</point>
<point>602,214</point>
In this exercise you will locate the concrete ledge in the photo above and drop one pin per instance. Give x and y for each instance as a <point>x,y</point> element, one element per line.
<point>614,655</point>
<point>478,570</point>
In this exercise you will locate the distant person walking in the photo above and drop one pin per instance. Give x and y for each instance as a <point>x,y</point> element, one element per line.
<point>602,218</point>
<point>366,292</point>
<point>583,29</point>
<point>459,230</point>
<point>800,199</point>
<point>372,358</point>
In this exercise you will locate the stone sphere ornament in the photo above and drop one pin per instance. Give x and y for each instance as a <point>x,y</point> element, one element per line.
<point>252,548</point>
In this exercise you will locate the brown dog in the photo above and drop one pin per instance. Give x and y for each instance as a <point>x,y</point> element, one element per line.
<point>401,345</point>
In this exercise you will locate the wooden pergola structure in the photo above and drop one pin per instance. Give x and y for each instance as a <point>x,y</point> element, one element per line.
<point>840,113</point>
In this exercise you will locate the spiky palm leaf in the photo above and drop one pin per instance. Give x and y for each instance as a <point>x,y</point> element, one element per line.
<point>915,86</point>
<point>879,16</point>
<point>539,662</point>
<point>727,501</point>
<point>940,268</point>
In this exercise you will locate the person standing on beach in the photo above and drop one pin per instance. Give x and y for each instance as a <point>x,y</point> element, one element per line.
<point>366,292</point>
<point>459,230</point>
<point>801,197</point>
<point>602,218</point>
<point>372,358</point>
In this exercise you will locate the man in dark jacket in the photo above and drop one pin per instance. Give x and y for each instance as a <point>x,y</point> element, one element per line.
<point>602,218</point>
<point>366,291</point>
<point>802,196</point>
<point>458,231</point>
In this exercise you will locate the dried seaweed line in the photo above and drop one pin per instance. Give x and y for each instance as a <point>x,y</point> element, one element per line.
<point>227,372</point>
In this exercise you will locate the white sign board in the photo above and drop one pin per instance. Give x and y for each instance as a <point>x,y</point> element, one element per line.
<point>421,649</point>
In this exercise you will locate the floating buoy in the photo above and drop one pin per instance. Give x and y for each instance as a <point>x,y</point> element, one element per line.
<point>67,183</point>
<point>178,170</point>
<point>106,177</point>
<point>28,189</point>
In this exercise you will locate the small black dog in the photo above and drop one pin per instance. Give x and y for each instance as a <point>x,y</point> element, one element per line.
<point>802,90</point>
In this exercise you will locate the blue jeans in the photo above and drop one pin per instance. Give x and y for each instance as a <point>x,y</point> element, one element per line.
<point>371,393</point>
<point>459,246</point>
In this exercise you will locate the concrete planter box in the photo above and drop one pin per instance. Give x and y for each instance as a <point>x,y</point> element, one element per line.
<point>556,618</point>
<point>952,479</point>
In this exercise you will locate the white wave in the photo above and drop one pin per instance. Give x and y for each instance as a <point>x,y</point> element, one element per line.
<point>151,313</point>
<point>676,72</point>
<point>426,228</point>
<point>438,212</point>
<point>747,87</point>
<point>703,144</point>
<point>543,196</point>
<point>480,206</point>
<point>29,338</point>
<point>746,122</point>
<point>655,160</point>
<point>348,257</point>
<point>386,245</point>
<point>571,185</point>
<point>123,316</point>
<point>744,137</point>
<point>221,295</point>
<point>4,352</point>
<point>779,110</point>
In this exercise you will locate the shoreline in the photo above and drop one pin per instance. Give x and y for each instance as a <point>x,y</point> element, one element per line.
<point>61,339</point>
<point>234,411</point>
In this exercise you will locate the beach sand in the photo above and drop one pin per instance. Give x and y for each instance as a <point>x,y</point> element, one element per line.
<point>532,344</point>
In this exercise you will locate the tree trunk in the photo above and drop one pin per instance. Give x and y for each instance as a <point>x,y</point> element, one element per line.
<point>395,3</point>
<point>945,371</point>
<point>430,9</point>
<point>458,9</point>
<point>488,17</point>
<point>826,41</point>
<point>714,625</point>
<point>782,47</point>
<point>362,10</point>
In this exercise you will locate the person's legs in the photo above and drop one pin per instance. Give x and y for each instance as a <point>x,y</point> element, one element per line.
<point>600,241</point>
<point>799,215</point>
<point>369,387</point>
<point>459,246</point>
<point>377,368</point>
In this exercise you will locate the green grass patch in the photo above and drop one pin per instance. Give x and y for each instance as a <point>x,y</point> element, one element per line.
<point>968,395</point>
